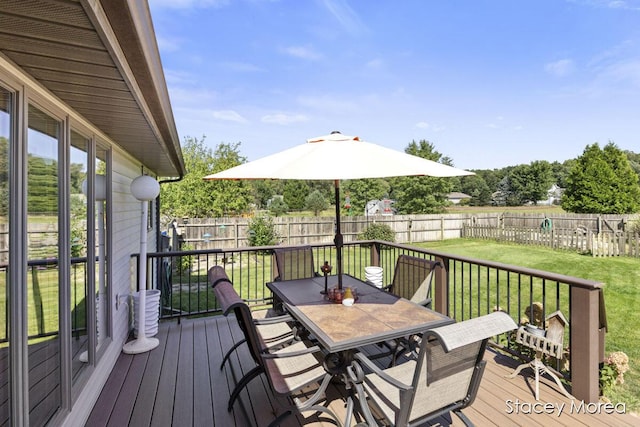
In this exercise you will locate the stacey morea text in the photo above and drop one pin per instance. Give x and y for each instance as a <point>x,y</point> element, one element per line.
<point>518,406</point>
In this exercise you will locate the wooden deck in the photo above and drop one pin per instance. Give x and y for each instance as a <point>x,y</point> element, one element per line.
<point>180,384</point>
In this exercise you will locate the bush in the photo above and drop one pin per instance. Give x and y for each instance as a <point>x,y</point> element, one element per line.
<point>634,226</point>
<point>378,232</point>
<point>613,370</point>
<point>262,231</point>
<point>185,262</point>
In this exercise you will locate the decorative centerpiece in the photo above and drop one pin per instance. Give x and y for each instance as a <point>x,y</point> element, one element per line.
<point>339,296</point>
<point>348,299</point>
<point>326,269</point>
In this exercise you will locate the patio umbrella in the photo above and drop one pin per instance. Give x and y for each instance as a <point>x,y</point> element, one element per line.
<point>336,157</point>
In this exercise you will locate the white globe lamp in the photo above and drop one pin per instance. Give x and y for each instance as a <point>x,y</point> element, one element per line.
<point>144,188</point>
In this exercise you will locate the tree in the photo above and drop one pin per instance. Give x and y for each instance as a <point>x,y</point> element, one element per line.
<point>42,178</point>
<point>295,191</point>
<point>477,188</point>
<point>422,194</point>
<point>316,202</point>
<point>277,206</point>
<point>561,171</point>
<point>263,190</point>
<point>530,183</point>
<point>602,181</point>
<point>360,191</point>
<point>194,197</point>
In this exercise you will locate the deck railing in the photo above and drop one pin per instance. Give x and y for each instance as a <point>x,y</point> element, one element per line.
<point>463,289</point>
<point>43,294</point>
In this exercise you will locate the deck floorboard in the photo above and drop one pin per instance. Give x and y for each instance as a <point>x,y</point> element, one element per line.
<point>180,383</point>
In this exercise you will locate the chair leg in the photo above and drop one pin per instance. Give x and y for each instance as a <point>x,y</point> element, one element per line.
<point>226,356</point>
<point>310,404</point>
<point>467,422</point>
<point>280,418</point>
<point>242,384</point>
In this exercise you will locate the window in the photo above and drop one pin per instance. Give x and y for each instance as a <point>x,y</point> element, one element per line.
<point>43,290</point>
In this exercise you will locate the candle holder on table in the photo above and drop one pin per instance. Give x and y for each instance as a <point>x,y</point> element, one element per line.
<point>326,269</point>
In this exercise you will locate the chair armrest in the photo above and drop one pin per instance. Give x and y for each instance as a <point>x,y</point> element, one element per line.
<point>273,320</point>
<point>283,353</point>
<point>381,373</point>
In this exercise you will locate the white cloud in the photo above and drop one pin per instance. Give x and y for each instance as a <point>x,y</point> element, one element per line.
<point>345,15</point>
<point>560,68</point>
<point>168,44</point>
<point>228,116</point>
<point>284,119</point>
<point>422,125</point>
<point>302,52</point>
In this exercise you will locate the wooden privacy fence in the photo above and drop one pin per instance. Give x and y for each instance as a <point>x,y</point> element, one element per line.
<point>602,244</point>
<point>568,231</point>
<point>226,233</point>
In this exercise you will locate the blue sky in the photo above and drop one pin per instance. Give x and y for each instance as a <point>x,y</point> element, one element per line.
<point>489,83</point>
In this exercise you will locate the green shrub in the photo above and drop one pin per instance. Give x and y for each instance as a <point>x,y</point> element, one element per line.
<point>378,232</point>
<point>262,231</point>
<point>634,226</point>
<point>184,262</point>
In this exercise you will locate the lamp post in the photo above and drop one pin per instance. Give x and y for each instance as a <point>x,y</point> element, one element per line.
<point>100,195</point>
<point>145,189</point>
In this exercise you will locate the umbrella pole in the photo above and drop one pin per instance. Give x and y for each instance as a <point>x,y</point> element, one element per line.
<point>338,239</point>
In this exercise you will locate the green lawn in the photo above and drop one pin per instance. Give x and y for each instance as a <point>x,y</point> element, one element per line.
<point>622,293</point>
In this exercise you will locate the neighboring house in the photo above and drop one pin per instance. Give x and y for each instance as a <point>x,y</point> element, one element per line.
<point>456,197</point>
<point>554,195</point>
<point>82,95</point>
<point>380,207</point>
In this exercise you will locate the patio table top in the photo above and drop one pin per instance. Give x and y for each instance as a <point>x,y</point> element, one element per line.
<point>375,317</point>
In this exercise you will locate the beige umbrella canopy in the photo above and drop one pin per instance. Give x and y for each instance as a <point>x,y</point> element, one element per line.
<point>336,157</point>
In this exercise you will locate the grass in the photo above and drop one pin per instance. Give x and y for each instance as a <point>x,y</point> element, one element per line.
<point>621,276</point>
<point>453,209</point>
<point>457,209</point>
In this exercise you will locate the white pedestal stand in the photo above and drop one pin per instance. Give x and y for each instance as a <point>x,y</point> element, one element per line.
<point>143,188</point>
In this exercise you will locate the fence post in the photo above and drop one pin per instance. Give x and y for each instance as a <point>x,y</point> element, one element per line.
<point>442,286</point>
<point>585,343</point>
<point>236,230</point>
